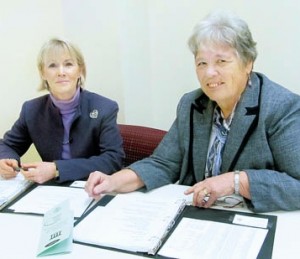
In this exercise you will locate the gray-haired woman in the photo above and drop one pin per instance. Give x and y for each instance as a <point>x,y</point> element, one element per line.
<point>237,134</point>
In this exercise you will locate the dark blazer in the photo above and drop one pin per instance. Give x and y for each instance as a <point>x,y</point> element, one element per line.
<point>95,140</point>
<point>264,141</point>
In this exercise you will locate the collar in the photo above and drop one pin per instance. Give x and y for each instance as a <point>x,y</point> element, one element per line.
<point>69,105</point>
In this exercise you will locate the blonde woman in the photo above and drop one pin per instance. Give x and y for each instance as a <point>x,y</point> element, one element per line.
<point>74,130</point>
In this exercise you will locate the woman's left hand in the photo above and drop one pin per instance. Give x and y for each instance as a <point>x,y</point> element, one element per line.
<point>206,192</point>
<point>39,172</point>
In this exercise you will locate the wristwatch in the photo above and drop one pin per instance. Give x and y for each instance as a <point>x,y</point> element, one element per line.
<point>56,172</point>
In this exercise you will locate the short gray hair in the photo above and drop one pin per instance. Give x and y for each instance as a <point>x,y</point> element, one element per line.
<point>59,43</point>
<point>225,28</point>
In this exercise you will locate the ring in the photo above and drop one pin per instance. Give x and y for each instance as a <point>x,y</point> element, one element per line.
<point>205,192</point>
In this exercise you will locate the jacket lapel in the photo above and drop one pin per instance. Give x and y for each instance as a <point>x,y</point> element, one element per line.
<point>202,122</point>
<point>243,124</point>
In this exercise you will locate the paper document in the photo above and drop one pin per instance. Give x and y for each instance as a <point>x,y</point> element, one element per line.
<point>194,238</point>
<point>56,235</point>
<point>136,222</point>
<point>172,192</point>
<point>78,184</point>
<point>43,198</point>
<point>12,188</point>
<point>250,221</point>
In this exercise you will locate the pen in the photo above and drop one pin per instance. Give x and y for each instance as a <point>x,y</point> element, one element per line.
<point>18,169</point>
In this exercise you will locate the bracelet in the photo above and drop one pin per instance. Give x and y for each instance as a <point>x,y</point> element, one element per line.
<point>237,182</point>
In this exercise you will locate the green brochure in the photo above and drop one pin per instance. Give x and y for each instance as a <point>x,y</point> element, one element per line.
<point>57,231</point>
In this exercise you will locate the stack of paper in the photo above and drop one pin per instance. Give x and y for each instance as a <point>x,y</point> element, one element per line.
<point>12,188</point>
<point>43,198</point>
<point>194,238</point>
<point>136,222</point>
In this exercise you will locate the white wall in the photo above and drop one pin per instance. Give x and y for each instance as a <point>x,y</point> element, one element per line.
<point>136,50</point>
<point>24,26</point>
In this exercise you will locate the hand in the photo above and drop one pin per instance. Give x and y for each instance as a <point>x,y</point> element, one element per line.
<point>122,181</point>
<point>206,192</point>
<point>39,172</point>
<point>98,183</point>
<point>7,168</point>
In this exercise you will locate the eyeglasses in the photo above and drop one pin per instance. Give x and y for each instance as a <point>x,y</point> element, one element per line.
<point>230,201</point>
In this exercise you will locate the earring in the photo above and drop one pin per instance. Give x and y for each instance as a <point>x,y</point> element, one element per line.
<point>249,79</point>
<point>46,85</point>
<point>79,83</point>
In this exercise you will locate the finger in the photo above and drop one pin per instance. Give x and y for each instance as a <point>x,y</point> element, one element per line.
<point>8,175</point>
<point>92,193</point>
<point>194,188</point>
<point>201,197</point>
<point>13,163</point>
<point>91,182</point>
<point>98,190</point>
<point>27,166</point>
<point>189,190</point>
<point>29,175</point>
<point>25,173</point>
<point>210,201</point>
<point>103,186</point>
<point>8,165</point>
<point>89,188</point>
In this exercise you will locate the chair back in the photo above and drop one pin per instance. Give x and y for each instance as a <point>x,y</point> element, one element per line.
<point>139,141</point>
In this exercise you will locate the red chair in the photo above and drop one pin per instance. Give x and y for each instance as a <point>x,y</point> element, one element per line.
<point>139,141</point>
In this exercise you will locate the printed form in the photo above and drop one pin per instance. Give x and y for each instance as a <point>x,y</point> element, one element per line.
<point>43,198</point>
<point>194,238</point>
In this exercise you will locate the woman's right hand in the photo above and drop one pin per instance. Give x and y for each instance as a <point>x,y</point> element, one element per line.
<point>7,168</point>
<point>97,184</point>
<point>122,181</point>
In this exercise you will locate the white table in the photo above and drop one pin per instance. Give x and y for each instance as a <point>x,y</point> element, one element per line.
<point>286,243</point>
<point>19,237</point>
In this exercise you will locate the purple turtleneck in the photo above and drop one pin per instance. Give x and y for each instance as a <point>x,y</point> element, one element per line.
<point>67,110</point>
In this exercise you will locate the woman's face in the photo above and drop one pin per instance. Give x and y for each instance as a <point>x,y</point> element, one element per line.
<point>222,75</point>
<point>62,72</point>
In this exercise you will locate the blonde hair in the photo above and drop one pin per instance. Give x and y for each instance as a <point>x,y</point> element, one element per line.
<point>60,44</point>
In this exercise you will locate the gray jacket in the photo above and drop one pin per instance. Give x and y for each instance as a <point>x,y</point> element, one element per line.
<point>264,141</point>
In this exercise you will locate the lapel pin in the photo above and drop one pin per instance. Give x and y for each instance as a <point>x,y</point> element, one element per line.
<point>94,114</point>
